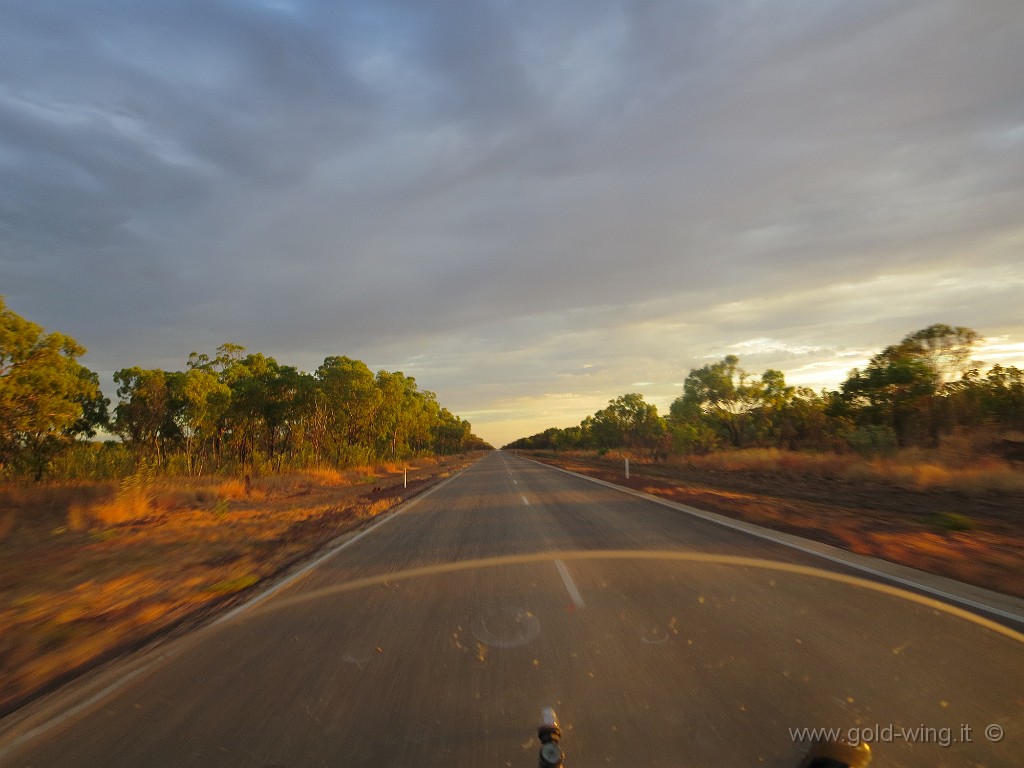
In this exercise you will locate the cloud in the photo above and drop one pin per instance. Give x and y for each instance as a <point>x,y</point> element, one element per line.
<point>500,196</point>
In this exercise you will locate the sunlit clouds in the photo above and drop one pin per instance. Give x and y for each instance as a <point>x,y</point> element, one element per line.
<point>532,208</point>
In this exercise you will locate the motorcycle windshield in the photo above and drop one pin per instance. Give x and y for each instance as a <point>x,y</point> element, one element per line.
<point>650,658</point>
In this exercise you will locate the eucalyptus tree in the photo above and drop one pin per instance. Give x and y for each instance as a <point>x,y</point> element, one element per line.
<point>450,433</point>
<point>147,414</point>
<point>47,397</point>
<point>204,400</point>
<point>267,401</point>
<point>349,398</point>
<point>904,387</point>
<point>628,422</point>
<point>723,395</point>
<point>1001,397</point>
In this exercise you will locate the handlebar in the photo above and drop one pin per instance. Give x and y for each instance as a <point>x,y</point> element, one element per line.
<point>549,733</point>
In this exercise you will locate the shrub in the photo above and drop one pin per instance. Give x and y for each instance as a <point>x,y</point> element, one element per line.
<point>872,439</point>
<point>953,521</point>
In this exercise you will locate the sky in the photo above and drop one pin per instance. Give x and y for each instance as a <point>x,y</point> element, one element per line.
<point>531,207</point>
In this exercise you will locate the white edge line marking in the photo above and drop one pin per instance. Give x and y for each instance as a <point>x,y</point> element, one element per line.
<point>52,722</point>
<point>289,580</point>
<point>768,536</point>
<point>570,585</point>
<point>55,721</point>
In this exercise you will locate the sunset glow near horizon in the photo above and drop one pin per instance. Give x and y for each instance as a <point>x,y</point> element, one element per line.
<point>532,208</point>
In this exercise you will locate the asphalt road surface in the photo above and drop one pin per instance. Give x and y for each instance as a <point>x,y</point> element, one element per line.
<point>435,638</point>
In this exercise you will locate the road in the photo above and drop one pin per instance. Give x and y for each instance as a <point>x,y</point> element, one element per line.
<point>435,638</point>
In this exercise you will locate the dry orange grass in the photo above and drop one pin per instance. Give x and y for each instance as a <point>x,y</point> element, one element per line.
<point>380,505</point>
<point>102,505</point>
<point>776,460</point>
<point>134,504</point>
<point>328,476</point>
<point>912,468</point>
<point>47,504</point>
<point>44,498</point>
<point>910,472</point>
<point>363,470</point>
<point>232,489</point>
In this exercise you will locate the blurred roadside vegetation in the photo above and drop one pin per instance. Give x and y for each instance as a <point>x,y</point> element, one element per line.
<point>923,400</point>
<point>234,413</point>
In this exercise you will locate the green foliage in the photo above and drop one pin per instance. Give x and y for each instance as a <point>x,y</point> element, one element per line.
<point>723,404</point>
<point>910,386</point>
<point>108,460</point>
<point>998,398</point>
<point>953,521</point>
<point>233,411</point>
<point>868,439</point>
<point>145,417</point>
<point>204,400</point>
<point>628,422</point>
<point>46,397</point>
<point>240,412</point>
<point>725,397</point>
<point>911,393</point>
<point>693,437</point>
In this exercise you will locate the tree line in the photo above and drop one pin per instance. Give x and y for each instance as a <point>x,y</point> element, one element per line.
<point>909,394</point>
<point>230,411</point>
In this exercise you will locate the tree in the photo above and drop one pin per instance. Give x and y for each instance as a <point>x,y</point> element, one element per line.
<point>802,421</point>
<point>892,391</point>
<point>906,387</point>
<point>450,433</point>
<point>348,392</point>
<point>147,415</point>
<point>401,416</point>
<point>95,407</point>
<point>628,421</point>
<point>46,396</point>
<point>945,349</point>
<point>204,400</point>
<point>724,394</point>
<point>421,414</point>
<point>227,356</point>
<point>266,400</point>
<point>1001,396</point>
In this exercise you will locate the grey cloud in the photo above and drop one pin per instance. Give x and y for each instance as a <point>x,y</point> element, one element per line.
<point>376,177</point>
